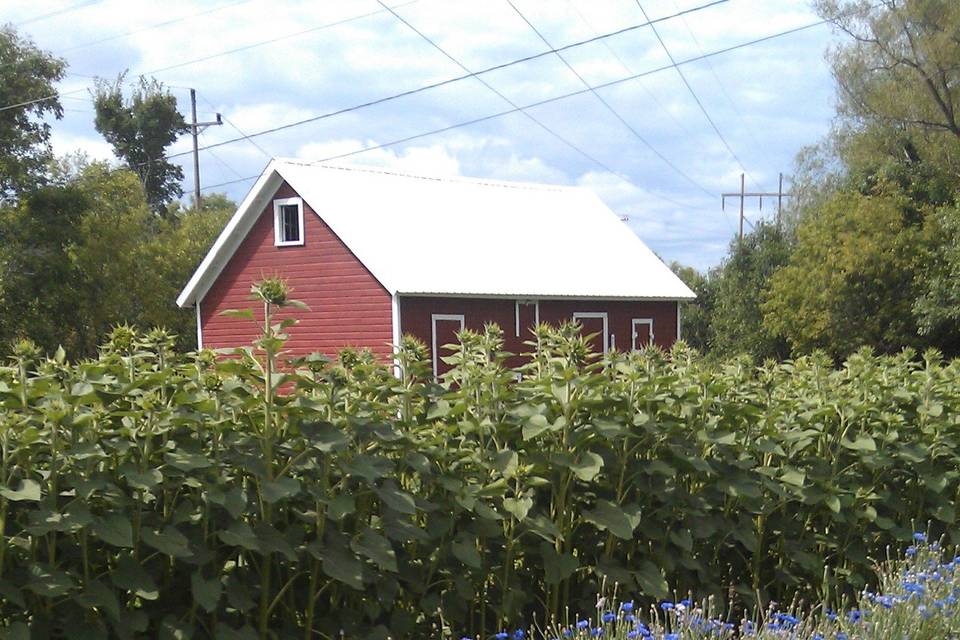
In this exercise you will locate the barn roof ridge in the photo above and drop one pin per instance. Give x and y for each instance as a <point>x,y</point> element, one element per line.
<point>488,182</point>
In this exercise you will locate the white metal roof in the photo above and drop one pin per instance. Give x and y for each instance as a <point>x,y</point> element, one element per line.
<point>460,236</point>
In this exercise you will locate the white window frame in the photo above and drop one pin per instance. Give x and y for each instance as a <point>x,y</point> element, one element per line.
<point>633,328</point>
<point>278,240</point>
<point>434,317</point>
<point>577,315</point>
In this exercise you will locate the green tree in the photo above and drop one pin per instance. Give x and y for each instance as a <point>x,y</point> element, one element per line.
<point>696,315</point>
<point>851,280</point>
<point>86,253</point>
<point>736,323</point>
<point>140,130</point>
<point>27,77</point>
<point>901,66</point>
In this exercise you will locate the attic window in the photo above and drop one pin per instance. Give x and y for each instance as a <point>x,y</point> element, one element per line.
<point>288,222</point>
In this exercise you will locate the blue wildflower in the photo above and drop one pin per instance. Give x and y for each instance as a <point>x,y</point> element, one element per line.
<point>666,605</point>
<point>627,606</point>
<point>633,633</point>
<point>503,635</point>
<point>672,636</point>
<point>608,617</point>
<point>582,624</point>
<point>596,632</point>
<point>920,536</point>
<point>842,636</point>
<point>911,551</point>
<point>518,634</point>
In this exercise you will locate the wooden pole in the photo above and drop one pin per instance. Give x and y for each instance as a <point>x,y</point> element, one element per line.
<point>196,152</point>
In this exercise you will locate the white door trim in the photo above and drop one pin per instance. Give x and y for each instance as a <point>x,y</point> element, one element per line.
<point>433,332</point>
<point>633,329</point>
<point>597,314</point>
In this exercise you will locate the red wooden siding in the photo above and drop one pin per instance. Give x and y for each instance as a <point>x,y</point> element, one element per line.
<point>416,313</point>
<point>348,306</point>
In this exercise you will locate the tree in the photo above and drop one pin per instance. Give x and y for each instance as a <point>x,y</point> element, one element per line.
<point>140,130</point>
<point>736,323</point>
<point>27,77</point>
<point>696,315</point>
<point>902,68</point>
<point>851,281</point>
<point>86,253</point>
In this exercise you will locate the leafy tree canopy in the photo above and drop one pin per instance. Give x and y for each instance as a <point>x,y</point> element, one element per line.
<point>27,78</point>
<point>736,326</point>
<point>140,130</point>
<point>851,281</point>
<point>86,253</point>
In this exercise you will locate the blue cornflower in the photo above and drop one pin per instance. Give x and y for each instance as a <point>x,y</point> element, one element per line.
<point>672,636</point>
<point>817,636</point>
<point>831,616</point>
<point>567,633</point>
<point>583,624</point>
<point>518,634</point>
<point>632,618</point>
<point>920,536</point>
<point>608,617</point>
<point>666,605</point>
<point>854,615</point>
<point>911,551</point>
<point>627,606</point>
<point>749,627</point>
<point>633,633</point>
<point>596,632</point>
<point>842,636</point>
<point>503,635</point>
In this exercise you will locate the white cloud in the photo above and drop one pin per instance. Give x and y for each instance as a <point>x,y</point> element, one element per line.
<point>780,92</point>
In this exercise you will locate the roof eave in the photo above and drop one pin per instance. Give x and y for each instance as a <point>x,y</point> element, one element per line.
<point>225,244</point>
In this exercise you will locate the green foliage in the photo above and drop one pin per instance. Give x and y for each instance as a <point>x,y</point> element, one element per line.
<point>736,323</point>
<point>916,599</point>
<point>140,130</point>
<point>148,493</point>
<point>851,280</point>
<point>697,315</point>
<point>83,255</point>
<point>900,65</point>
<point>27,74</point>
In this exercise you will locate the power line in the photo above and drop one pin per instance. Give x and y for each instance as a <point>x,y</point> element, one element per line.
<point>238,130</point>
<point>693,93</point>
<point>606,45</point>
<point>513,104</point>
<point>204,58</point>
<point>467,123</point>
<point>59,12</point>
<point>273,40</point>
<point>436,84</point>
<point>720,83</point>
<point>609,107</point>
<point>459,78</point>
<point>157,25</point>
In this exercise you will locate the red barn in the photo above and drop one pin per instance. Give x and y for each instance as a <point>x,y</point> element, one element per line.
<point>376,254</point>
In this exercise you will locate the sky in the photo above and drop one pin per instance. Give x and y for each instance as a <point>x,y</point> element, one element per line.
<point>657,145</point>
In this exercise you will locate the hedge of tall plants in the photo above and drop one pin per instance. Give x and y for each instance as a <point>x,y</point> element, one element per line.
<point>153,494</point>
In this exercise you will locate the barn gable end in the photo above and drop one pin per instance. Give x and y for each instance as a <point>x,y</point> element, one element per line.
<point>348,305</point>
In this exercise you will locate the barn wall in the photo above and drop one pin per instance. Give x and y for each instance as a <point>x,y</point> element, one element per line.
<point>416,312</point>
<point>348,306</point>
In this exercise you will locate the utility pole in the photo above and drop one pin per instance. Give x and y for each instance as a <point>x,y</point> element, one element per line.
<point>743,194</point>
<point>195,129</point>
